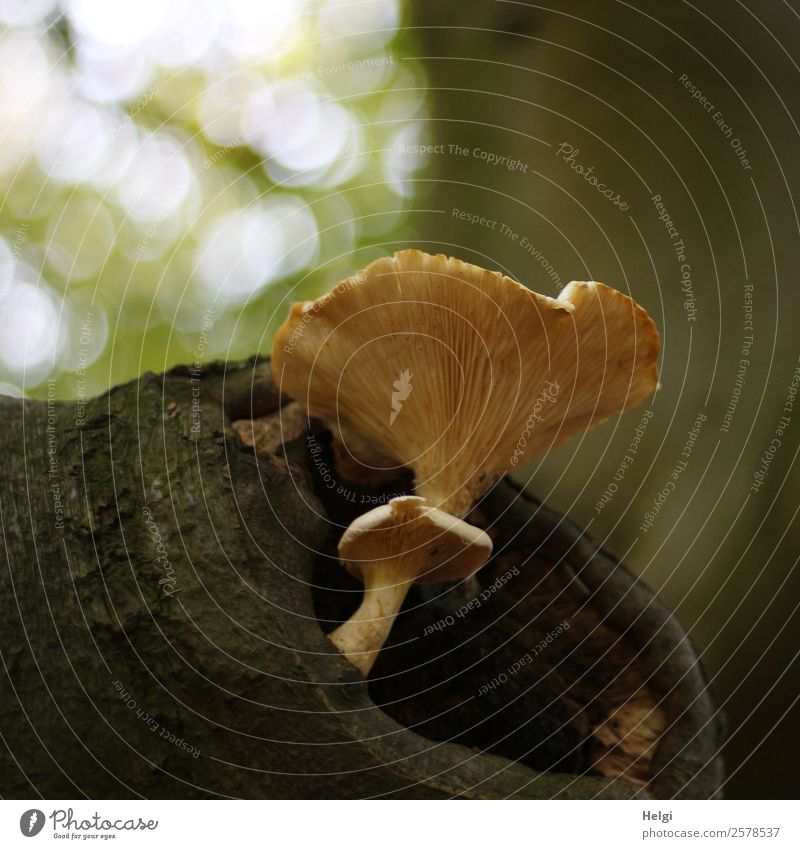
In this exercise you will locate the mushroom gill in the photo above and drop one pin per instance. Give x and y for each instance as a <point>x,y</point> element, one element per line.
<point>463,374</point>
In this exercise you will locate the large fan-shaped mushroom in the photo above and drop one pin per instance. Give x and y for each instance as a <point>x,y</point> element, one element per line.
<point>461,373</point>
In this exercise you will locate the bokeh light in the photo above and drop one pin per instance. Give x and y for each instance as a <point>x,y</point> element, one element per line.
<point>158,160</point>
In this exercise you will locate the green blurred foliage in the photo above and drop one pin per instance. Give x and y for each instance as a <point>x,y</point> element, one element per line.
<point>177,173</point>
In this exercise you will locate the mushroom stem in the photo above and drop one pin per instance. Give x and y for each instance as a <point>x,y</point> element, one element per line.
<point>361,638</point>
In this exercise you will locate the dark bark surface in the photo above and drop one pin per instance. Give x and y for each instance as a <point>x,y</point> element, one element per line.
<point>158,626</point>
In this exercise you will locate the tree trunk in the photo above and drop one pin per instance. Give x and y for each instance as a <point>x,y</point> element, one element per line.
<point>159,634</point>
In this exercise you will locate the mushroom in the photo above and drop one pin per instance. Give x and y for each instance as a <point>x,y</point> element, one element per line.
<point>460,373</point>
<point>392,547</point>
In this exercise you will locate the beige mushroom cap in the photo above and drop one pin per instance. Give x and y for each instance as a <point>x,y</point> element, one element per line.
<point>421,543</point>
<point>463,374</point>
<point>390,548</point>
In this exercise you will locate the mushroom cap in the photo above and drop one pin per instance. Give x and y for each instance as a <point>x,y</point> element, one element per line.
<point>413,542</point>
<point>460,373</point>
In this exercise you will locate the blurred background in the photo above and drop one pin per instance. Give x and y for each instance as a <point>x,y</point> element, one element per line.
<point>174,174</point>
<point>166,166</point>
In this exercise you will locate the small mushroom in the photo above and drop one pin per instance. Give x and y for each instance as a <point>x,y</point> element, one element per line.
<point>392,547</point>
<point>462,374</point>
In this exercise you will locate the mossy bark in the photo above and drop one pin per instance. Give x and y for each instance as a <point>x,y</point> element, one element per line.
<point>158,631</point>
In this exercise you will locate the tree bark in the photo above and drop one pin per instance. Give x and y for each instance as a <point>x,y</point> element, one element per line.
<point>158,628</point>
